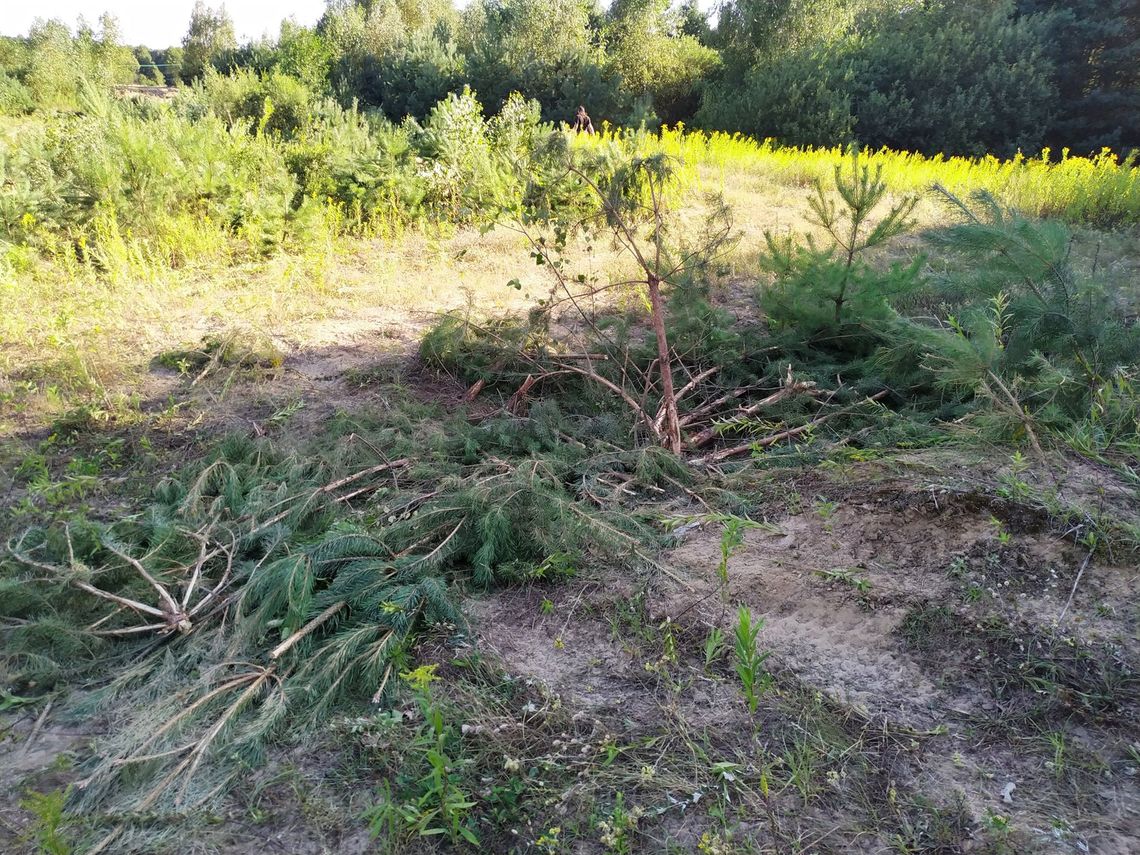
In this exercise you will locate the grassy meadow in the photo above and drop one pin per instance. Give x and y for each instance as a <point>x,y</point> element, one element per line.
<point>87,311</point>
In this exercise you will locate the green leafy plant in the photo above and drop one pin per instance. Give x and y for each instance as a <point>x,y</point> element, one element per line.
<point>749,661</point>
<point>47,829</point>
<point>848,576</point>
<point>617,831</point>
<point>731,540</point>
<point>825,509</point>
<point>1013,484</point>
<point>715,646</point>
<point>440,806</point>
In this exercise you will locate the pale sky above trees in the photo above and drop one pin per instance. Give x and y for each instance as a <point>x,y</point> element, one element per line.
<point>159,25</point>
<point>143,22</point>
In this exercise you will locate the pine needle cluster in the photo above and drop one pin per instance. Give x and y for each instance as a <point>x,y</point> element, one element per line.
<point>248,600</point>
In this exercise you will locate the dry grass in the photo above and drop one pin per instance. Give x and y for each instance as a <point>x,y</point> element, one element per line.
<point>73,334</point>
<point>90,336</point>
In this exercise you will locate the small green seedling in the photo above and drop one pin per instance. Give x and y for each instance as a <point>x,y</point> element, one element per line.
<point>825,509</point>
<point>1014,486</point>
<point>440,805</point>
<point>754,680</point>
<point>620,827</point>
<point>714,646</point>
<point>847,576</point>
<point>731,539</point>
<point>1003,536</point>
<point>45,831</point>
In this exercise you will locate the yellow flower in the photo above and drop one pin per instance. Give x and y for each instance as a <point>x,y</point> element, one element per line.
<point>420,678</point>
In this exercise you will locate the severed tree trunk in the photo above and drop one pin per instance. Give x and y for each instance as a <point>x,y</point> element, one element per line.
<point>672,426</point>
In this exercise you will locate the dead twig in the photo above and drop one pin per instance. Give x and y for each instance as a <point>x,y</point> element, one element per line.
<point>36,728</point>
<point>515,403</point>
<point>175,616</point>
<point>791,389</point>
<point>714,405</point>
<point>282,648</point>
<point>772,439</point>
<point>1076,582</point>
<point>364,473</point>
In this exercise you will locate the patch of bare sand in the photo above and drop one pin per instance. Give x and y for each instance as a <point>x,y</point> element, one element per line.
<point>827,635</point>
<point>821,628</point>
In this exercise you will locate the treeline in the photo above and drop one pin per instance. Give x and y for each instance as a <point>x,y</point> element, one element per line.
<point>954,76</point>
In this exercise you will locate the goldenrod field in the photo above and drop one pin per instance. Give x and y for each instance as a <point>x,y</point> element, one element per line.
<point>1103,190</point>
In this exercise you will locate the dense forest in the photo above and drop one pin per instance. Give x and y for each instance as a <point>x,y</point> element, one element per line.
<point>952,76</point>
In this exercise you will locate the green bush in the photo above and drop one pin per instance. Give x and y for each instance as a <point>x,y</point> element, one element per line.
<point>302,53</point>
<point>367,166</point>
<point>407,80</point>
<point>15,98</point>
<point>271,102</point>
<point>463,177</point>
<point>659,66</point>
<point>124,168</point>
<point>253,157</point>
<point>517,127</point>
<point>52,62</point>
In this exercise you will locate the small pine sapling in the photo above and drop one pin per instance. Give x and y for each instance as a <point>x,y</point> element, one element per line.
<point>821,288</point>
<point>1035,340</point>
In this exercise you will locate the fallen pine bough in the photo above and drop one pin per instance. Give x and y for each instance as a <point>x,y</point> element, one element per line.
<point>255,596</point>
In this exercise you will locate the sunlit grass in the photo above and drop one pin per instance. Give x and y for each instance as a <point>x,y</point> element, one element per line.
<point>83,331</point>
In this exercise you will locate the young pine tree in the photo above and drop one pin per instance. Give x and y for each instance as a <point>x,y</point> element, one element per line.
<point>820,289</point>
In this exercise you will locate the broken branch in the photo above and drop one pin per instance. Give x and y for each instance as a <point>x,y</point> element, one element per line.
<point>772,439</point>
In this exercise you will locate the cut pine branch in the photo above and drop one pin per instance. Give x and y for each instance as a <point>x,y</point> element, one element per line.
<point>712,406</point>
<point>473,392</point>
<point>790,433</point>
<point>685,390</point>
<point>791,389</point>
<point>286,645</point>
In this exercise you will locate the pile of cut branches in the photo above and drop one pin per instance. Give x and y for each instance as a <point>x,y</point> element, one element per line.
<point>258,594</point>
<point>626,202</point>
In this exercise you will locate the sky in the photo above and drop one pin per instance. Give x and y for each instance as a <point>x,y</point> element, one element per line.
<point>163,23</point>
<point>158,23</point>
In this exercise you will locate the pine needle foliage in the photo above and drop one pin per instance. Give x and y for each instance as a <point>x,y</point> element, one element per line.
<point>1036,340</point>
<point>249,600</point>
<point>821,290</point>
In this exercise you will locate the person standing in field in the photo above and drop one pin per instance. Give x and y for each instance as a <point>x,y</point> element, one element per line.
<point>582,123</point>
